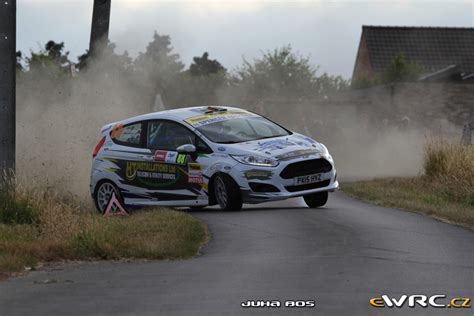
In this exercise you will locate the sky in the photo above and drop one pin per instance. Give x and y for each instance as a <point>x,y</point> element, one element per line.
<point>326,31</point>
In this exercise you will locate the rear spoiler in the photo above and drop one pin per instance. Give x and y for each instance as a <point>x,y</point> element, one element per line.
<point>107,128</point>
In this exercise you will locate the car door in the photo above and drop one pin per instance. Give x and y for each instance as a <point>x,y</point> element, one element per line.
<point>175,179</point>
<point>125,157</point>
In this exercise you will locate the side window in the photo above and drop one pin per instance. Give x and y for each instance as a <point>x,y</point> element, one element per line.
<point>168,135</point>
<point>129,135</point>
<point>202,147</point>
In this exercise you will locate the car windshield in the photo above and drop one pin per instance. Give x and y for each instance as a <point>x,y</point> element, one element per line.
<point>241,129</point>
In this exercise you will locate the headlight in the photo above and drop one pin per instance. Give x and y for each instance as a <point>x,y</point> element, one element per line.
<point>256,161</point>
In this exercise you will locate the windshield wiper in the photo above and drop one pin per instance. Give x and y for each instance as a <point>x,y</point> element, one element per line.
<point>270,137</point>
<point>229,142</point>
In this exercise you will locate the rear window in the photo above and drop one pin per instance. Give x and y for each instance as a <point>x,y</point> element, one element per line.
<point>129,135</point>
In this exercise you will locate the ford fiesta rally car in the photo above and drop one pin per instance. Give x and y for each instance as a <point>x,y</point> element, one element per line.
<point>203,156</point>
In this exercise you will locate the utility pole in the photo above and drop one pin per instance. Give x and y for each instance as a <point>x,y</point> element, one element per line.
<point>100,26</point>
<point>7,85</point>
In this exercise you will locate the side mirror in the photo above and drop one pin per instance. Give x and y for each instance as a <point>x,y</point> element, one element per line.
<point>186,149</point>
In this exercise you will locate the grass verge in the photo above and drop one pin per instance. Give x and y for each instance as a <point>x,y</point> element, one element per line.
<point>445,190</point>
<point>37,227</point>
<point>419,194</point>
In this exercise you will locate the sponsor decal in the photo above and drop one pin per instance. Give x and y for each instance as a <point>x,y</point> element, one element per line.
<point>116,131</point>
<point>151,175</point>
<point>219,155</point>
<point>195,167</point>
<point>108,143</point>
<point>150,170</point>
<point>419,300</point>
<point>160,155</point>
<point>171,156</point>
<point>197,180</point>
<point>302,144</point>
<point>296,154</point>
<point>273,145</point>
<point>181,159</point>
<point>195,173</point>
<point>206,119</point>
<point>312,141</point>
<point>258,174</point>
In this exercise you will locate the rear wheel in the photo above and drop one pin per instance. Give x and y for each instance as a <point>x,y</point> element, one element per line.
<point>316,199</point>
<point>102,196</point>
<point>227,193</point>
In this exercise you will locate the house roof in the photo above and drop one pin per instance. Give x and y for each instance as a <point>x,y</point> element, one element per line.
<point>434,48</point>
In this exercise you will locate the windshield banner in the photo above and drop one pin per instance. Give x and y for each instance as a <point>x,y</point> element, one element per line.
<point>206,119</point>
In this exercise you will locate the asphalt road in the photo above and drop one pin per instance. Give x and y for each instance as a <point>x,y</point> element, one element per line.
<point>340,256</point>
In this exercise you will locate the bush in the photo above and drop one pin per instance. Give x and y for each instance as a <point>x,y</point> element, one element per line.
<point>15,209</point>
<point>86,245</point>
<point>451,166</point>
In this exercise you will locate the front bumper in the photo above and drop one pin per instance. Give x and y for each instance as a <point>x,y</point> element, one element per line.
<point>246,175</point>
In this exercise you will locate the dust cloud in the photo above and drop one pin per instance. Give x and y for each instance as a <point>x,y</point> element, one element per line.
<point>372,133</point>
<point>59,122</point>
<point>58,125</point>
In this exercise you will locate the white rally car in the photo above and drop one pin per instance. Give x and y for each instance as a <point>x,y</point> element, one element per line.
<point>203,156</point>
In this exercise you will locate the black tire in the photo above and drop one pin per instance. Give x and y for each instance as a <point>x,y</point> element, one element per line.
<point>316,199</point>
<point>100,206</point>
<point>227,193</point>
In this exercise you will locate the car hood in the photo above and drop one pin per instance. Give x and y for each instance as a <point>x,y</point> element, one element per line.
<point>280,148</point>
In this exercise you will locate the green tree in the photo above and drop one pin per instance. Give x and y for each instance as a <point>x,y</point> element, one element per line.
<point>107,62</point>
<point>327,84</point>
<point>160,65</point>
<point>285,73</point>
<point>19,59</point>
<point>201,82</point>
<point>203,66</point>
<point>51,61</point>
<point>279,72</point>
<point>401,70</point>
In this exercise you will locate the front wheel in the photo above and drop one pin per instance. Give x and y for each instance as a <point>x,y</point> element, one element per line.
<point>316,199</point>
<point>227,193</point>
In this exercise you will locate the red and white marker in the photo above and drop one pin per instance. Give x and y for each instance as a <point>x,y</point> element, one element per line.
<point>119,210</point>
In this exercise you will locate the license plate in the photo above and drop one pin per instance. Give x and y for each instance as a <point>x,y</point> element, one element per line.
<point>311,178</point>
